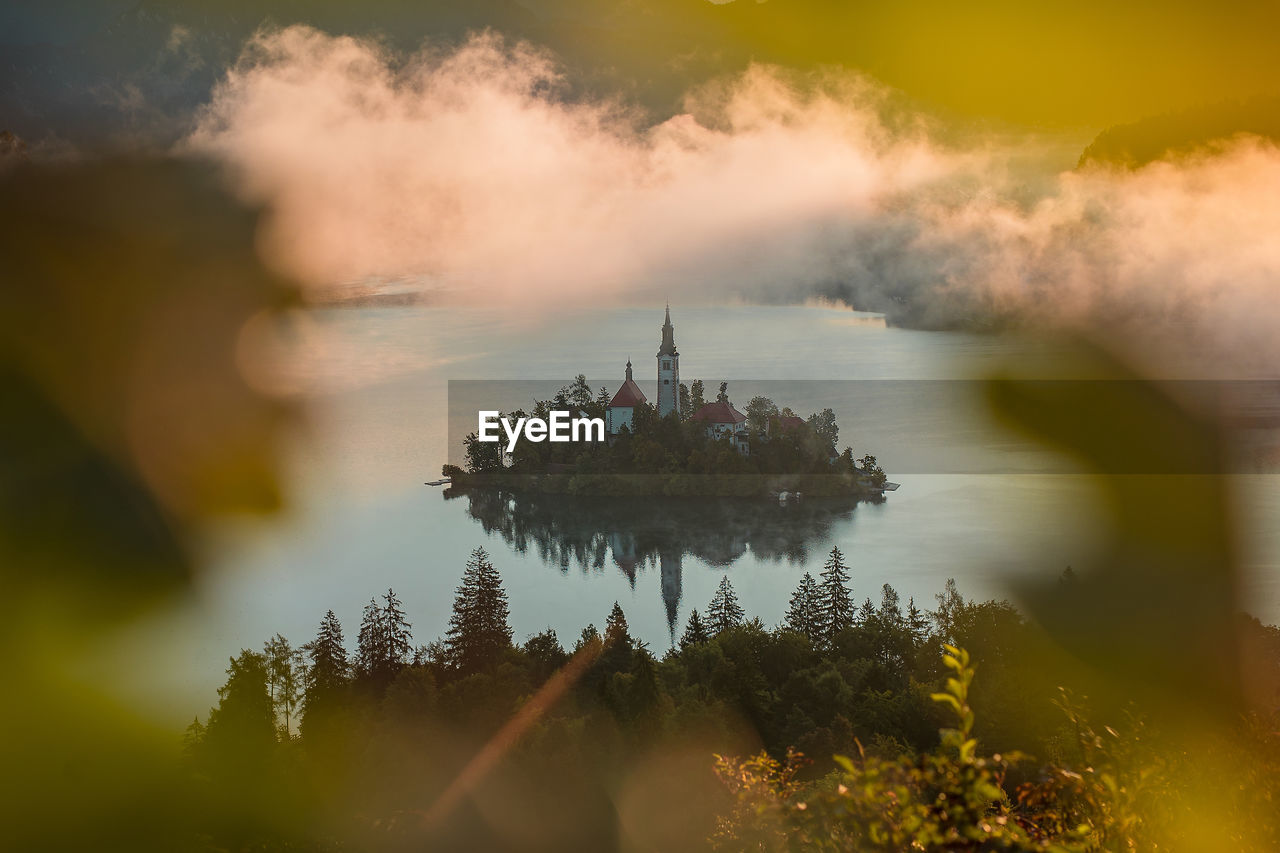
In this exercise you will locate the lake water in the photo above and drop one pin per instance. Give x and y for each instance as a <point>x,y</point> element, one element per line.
<point>975,503</point>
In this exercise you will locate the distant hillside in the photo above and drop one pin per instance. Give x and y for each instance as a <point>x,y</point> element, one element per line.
<point>1176,133</point>
<point>86,70</point>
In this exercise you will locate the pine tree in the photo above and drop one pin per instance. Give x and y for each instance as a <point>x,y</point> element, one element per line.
<point>951,608</point>
<point>284,680</point>
<point>618,645</point>
<point>193,741</point>
<point>589,637</point>
<point>804,616</point>
<point>724,612</point>
<point>397,633</point>
<point>834,601</point>
<point>917,622</point>
<point>890,607</point>
<point>325,680</point>
<point>385,641</point>
<point>695,632</point>
<point>329,668</point>
<point>867,616</point>
<point>242,729</point>
<point>616,631</point>
<point>478,630</point>
<point>370,643</point>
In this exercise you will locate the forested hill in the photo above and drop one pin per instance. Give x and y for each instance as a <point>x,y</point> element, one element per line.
<point>84,69</point>
<point>1141,142</point>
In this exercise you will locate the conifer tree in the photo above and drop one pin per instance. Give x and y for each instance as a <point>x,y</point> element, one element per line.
<point>724,612</point>
<point>588,636</point>
<point>890,607</point>
<point>834,599</point>
<point>329,669</point>
<point>867,616</point>
<point>370,643</point>
<point>385,640</point>
<point>478,630</point>
<point>695,632</point>
<point>804,615</point>
<point>917,622</point>
<point>618,645</point>
<point>397,633</point>
<point>242,729</point>
<point>193,741</point>
<point>616,631</point>
<point>284,680</point>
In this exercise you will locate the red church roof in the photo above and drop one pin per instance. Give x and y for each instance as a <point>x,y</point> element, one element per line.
<point>628,396</point>
<point>790,422</point>
<point>719,413</point>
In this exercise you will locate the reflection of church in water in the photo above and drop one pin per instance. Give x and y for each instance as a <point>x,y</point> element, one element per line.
<point>634,548</point>
<point>643,534</point>
<point>620,416</point>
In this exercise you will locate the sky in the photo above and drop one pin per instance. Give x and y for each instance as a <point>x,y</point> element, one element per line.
<point>919,159</point>
<point>465,168</point>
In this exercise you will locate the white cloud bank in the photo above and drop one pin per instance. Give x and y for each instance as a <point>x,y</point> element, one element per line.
<point>468,168</point>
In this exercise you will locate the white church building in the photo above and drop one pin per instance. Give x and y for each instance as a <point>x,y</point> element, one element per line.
<point>720,418</point>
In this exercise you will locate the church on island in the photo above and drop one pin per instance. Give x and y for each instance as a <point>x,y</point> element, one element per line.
<point>720,418</point>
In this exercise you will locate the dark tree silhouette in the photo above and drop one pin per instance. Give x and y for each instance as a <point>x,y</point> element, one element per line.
<point>397,632</point>
<point>370,648</point>
<point>697,398</point>
<point>835,602</point>
<point>824,425</point>
<point>478,631</point>
<point>284,681</point>
<point>242,729</point>
<point>695,632</point>
<point>804,615</point>
<point>329,670</point>
<point>385,641</point>
<point>724,612</point>
<point>616,630</point>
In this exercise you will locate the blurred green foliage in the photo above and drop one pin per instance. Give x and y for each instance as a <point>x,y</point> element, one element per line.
<point>125,424</point>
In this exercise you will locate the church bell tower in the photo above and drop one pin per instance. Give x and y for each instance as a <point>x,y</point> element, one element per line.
<point>668,370</point>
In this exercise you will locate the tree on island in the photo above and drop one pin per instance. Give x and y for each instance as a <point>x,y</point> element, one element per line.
<point>871,470</point>
<point>824,425</point>
<point>483,457</point>
<point>834,600</point>
<point>724,612</point>
<point>723,396</point>
<point>760,411</point>
<point>697,399</point>
<point>804,615</point>
<point>478,629</point>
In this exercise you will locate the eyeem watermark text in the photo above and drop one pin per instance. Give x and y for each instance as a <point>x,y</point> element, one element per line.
<point>561,426</point>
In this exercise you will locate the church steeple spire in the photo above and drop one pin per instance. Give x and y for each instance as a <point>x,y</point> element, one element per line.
<point>668,346</point>
<point>668,369</point>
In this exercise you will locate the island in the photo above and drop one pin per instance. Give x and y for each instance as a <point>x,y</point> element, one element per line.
<point>684,445</point>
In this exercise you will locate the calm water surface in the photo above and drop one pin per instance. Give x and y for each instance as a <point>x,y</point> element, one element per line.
<point>361,519</point>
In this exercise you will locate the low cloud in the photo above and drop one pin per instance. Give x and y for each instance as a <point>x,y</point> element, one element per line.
<point>471,169</point>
